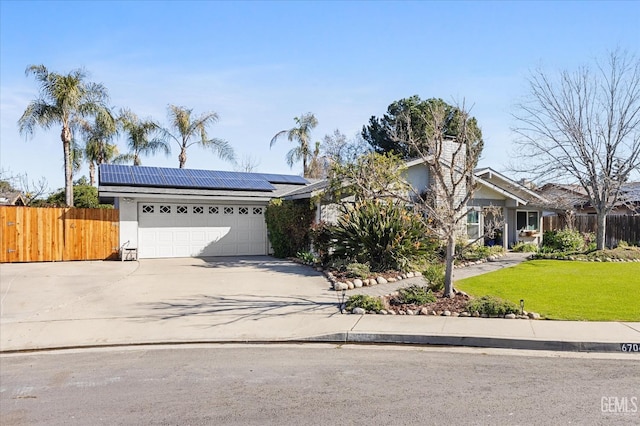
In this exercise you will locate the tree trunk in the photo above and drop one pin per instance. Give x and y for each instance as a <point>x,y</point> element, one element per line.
<point>92,173</point>
<point>448,273</point>
<point>68,172</point>
<point>182,158</point>
<point>600,231</point>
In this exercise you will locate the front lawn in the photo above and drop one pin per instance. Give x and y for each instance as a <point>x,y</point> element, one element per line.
<point>566,290</point>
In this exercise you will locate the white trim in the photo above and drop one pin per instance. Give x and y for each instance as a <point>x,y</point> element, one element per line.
<point>491,172</point>
<point>501,191</point>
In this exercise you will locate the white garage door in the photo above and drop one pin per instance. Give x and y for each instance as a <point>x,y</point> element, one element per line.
<point>187,230</point>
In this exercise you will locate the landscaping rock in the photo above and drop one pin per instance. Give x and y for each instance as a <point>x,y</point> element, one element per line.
<point>399,278</point>
<point>465,314</point>
<point>446,314</point>
<point>392,313</point>
<point>476,314</point>
<point>455,314</point>
<point>358,311</point>
<point>404,276</point>
<point>401,312</point>
<point>350,285</point>
<point>523,316</point>
<point>484,316</point>
<point>383,312</point>
<point>392,280</point>
<point>417,274</point>
<point>424,311</point>
<point>340,286</point>
<point>357,283</point>
<point>409,274</point>
<point>381,280</point>
<point>534,315</point>
<point>510,316</point>
<point>372,282</point>
<point>410,312</point>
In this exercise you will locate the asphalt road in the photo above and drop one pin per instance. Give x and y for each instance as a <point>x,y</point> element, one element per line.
<point>317,384</point>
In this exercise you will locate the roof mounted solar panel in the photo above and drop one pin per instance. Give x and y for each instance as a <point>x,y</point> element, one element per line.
<point>287,179</point>
<point>113,174</point>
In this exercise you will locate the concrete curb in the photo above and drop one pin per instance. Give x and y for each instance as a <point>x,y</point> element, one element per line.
<point>368,339</point>
<point>479,342</point>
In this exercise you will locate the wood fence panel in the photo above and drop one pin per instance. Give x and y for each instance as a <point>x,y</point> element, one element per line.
<point>618,227</point>
<point>32,234</point>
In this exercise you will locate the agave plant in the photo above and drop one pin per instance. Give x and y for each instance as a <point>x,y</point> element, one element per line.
<point>381,233</point>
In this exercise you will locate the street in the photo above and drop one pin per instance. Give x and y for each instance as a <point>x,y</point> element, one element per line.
<point>317,384</point>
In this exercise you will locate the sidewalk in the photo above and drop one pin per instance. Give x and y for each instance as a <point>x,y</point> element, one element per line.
<point>96,304</point>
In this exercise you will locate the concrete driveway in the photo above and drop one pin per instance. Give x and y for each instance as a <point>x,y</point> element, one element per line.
<point>99,302</point>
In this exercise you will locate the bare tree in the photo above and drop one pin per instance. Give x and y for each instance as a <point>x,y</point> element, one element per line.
<point>444,205</point>
<point>247,163</point>
<point>584,126</point>
<point>452,183</point>
<point>31,190</point>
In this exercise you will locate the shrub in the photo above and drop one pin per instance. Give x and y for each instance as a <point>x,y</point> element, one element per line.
<point>566,240</point>
<point>368,303</point>
<point>524,247</point>
<point>434,275</point>
<point>307,257</point>
<point>382,233</point>
<point>414,295</point>
<point>321,235</point>
<point>288,225</point>
<point>492,305</point>
<point>359,270</point>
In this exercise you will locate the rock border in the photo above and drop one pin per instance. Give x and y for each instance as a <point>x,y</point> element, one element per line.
<point>427,312</point>
<point>579,258</point>
<point>367,282</point>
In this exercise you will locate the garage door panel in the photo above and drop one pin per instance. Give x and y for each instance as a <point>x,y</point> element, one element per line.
<point>184,230</point>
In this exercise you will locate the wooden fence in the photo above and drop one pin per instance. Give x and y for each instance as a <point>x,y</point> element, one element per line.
<point>31,234</point>
<point>618,227</point>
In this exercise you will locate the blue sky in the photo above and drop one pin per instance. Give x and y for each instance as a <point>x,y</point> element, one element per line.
<point>260,64</point>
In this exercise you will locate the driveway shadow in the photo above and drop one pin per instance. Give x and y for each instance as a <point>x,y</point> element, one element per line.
<point>241,307</point>
<point>265,263</point>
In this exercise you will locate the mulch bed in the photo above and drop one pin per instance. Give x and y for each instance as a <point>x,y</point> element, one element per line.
<point>455,304</point>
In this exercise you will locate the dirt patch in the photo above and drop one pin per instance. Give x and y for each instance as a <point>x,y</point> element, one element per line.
<point>455,304</point>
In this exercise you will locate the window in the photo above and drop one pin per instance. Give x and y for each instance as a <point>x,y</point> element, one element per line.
<point>228,210</point>
<point>198,209</point>
<point>181,209</point>
<point>257,210</point>
<point>165,209</point>
<point>473,225</point>
<point>146,208</point>
<point>527,221</point>
<point>243,210</point>
<point>213,210</point>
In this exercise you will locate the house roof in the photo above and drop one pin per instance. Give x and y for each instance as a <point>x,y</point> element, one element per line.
<point>11,198</point>
<point>630,193</point>
<point>509,184</point>
<point>155,182</point>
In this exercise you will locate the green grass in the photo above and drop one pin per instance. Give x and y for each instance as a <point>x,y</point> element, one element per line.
<point>566,290</point>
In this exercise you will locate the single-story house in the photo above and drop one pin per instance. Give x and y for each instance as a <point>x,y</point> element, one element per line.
<point>521,207</point>
<point>567,196</point>
<point>12,198</point>
<point>167,212</point>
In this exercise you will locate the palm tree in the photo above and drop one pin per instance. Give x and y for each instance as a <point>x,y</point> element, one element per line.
<point>98,149</point>
<point>186,127</point>
<point>63,99</point>
<point>139,133</point>
<point>301,135</point>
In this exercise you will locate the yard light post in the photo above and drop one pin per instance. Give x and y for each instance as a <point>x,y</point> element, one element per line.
<point>521,306</point>
<point>344,292</point>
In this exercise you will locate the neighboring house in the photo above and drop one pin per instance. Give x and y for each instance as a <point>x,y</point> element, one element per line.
<point>521,207</point>
<point>168,212</point>
<point>12,198</point>
<point>563,197</point>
